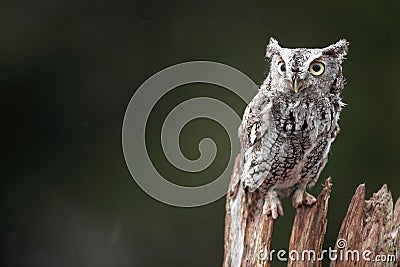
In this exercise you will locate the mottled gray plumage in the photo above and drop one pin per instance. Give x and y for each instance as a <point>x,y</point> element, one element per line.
<point>288,127</point>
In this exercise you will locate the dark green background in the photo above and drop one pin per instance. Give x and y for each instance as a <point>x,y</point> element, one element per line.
<point>68,70</point>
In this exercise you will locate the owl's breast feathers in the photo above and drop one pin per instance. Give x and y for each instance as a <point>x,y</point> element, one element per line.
<point>284,137</point>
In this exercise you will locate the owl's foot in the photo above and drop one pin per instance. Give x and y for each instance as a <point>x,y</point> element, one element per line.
<point>301,197</point>
<point>272,205</point>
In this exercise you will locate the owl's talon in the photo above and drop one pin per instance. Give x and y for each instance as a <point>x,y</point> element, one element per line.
<point>297,198</point>
<point>276,210</point>
<point>301,197</point>
<point>309,199</point>
<point>273,205</point>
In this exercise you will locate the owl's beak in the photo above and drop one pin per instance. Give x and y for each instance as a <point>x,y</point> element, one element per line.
<point>296,84</point>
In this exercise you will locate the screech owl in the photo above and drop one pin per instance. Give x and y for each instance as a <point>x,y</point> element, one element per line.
<point>288,127</point>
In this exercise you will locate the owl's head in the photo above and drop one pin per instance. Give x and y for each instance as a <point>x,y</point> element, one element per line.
<point>300,70</point>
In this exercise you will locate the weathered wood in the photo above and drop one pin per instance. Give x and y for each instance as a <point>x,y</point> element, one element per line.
<point>354,216</point>
<point>309,229</point>
<point>370,228</point>
<point>366,237</point>
<point>248,232</point>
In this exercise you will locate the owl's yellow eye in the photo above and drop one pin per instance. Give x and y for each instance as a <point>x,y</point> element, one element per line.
<point>317,68</point>
<point>281,67</point>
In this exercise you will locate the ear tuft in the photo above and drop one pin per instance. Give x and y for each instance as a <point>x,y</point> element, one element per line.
<point>272,48</point>
<point>338,50</point>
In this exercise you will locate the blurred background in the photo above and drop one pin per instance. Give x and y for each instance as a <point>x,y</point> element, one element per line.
<point>68,70</point>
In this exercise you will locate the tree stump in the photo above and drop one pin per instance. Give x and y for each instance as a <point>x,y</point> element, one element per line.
<point>369,235</point>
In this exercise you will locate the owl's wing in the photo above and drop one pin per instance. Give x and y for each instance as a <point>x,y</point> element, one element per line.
<point>256,134</point>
